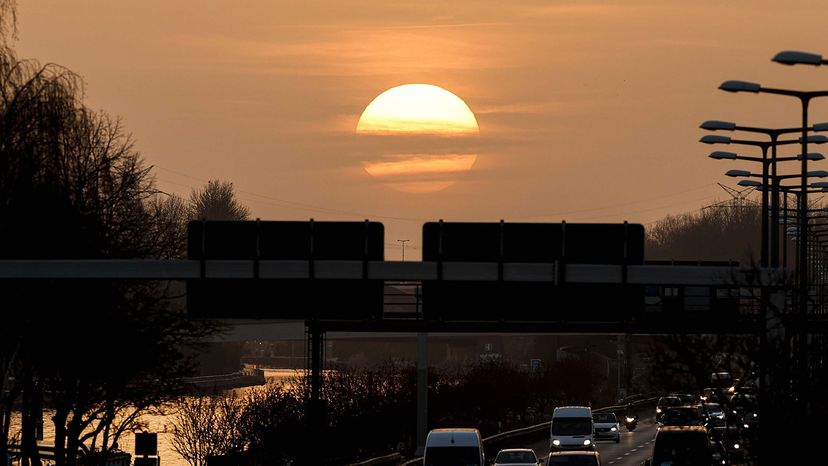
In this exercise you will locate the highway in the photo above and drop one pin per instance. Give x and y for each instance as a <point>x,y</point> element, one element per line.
<point>632,450</point>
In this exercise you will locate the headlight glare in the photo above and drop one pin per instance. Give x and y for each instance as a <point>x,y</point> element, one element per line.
<point>613,429</point>
<point>587,442</point>
<point>556,442</point>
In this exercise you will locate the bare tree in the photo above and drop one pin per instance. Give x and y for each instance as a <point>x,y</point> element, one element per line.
<point>205,426</point>
<point>723,232</point>
<point>217,201</point>
<point>73,186</point>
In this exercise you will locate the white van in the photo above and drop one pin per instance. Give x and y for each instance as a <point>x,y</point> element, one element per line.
<point>571,429</point>
<point>453,447</point>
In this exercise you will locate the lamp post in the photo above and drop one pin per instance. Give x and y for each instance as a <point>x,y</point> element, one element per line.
<point>773,134</point>
<point>776,180</point>
<point>768,171</point>
<point>805,98</point>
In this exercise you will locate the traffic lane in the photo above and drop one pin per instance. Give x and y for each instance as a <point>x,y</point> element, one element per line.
<point>633,449</point>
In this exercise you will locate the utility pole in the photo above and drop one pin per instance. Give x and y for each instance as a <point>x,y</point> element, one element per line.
<point>403,241</point>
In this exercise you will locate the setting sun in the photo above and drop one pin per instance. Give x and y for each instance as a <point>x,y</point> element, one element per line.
<point>420,109</point>
<point>425,132</point>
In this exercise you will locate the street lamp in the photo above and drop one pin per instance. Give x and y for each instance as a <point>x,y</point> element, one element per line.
<point>821,187</point>
<point>804,99</point>
<point>792,57</point>
<point>768,165</point>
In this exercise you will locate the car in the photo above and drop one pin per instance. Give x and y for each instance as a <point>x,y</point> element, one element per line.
<point>517,457</point>
<point>714,414</point>
<point>571,428</point>
<point>574,458</point>
<point>682,416</point>
<point>665,402</point>
<point>685,445</point>
<point>606,426</point>
<point>453,447</point>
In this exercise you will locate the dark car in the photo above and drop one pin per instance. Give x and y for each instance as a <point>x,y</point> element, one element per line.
<point>682,416</point>
<point>665,402</point>
<point>574,458</point>
<point>681,446</point>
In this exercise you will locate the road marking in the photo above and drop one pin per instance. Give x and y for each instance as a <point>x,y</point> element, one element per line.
<point>626,454</point>
<point>620,458</point>
<point>635,449</point>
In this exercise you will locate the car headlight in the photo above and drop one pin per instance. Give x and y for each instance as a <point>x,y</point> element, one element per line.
<point>630,419</point>
<point>736,446</point>
<point>720,416</point>
<point>658,410</point>
<point>613,429</point>
<point>746,426</point>
<point>556,442</point>
<point>587,442</point>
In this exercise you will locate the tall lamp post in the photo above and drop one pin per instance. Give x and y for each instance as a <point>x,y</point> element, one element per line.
<point>805,98</point>
<point>773,134</point>
<point>768,171</point>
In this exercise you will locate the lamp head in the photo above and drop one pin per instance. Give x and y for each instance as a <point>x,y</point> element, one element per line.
<point>819,184</point>
<point>812,156</point>
<point>820,126</point>
<point>816,139</point>
<point>817,174</point>
<point>740,86</point>
<point>722,155</point>
<point>737,173</point>
<point>714,139</point>
<point>750,183</point>
<point>792,57</point>
<point>713,125</point>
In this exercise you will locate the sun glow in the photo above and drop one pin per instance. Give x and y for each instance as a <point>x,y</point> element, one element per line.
<point>418,109</point>
<point>423,135</point>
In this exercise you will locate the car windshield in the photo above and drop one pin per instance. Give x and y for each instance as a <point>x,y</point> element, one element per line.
<point>452,456</point>
<point>668,401</point>
<point>713,408</point>
<point>604,417</point>
<point>688,399</point>
<point>505,457</point>
<point>573,460</point>
<point>681,417</point>
<point>571,426</point>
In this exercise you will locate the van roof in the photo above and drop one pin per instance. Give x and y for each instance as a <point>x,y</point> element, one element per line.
<point>453,437</point>
<point>572,411</point>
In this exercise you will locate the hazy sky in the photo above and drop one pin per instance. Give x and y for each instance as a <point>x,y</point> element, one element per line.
<point>588,111</point>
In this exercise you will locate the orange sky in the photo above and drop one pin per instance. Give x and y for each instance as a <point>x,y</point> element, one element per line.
<point>588,111</point>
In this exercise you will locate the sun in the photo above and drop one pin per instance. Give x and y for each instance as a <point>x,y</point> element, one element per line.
<point>418,109</point>
<point>425,134</point>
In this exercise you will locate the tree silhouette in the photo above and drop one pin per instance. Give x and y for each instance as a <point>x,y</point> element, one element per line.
<point>72,186</point>
<point>217,201</point>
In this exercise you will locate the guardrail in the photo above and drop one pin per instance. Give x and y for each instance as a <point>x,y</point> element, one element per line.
<point>533,433</point>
